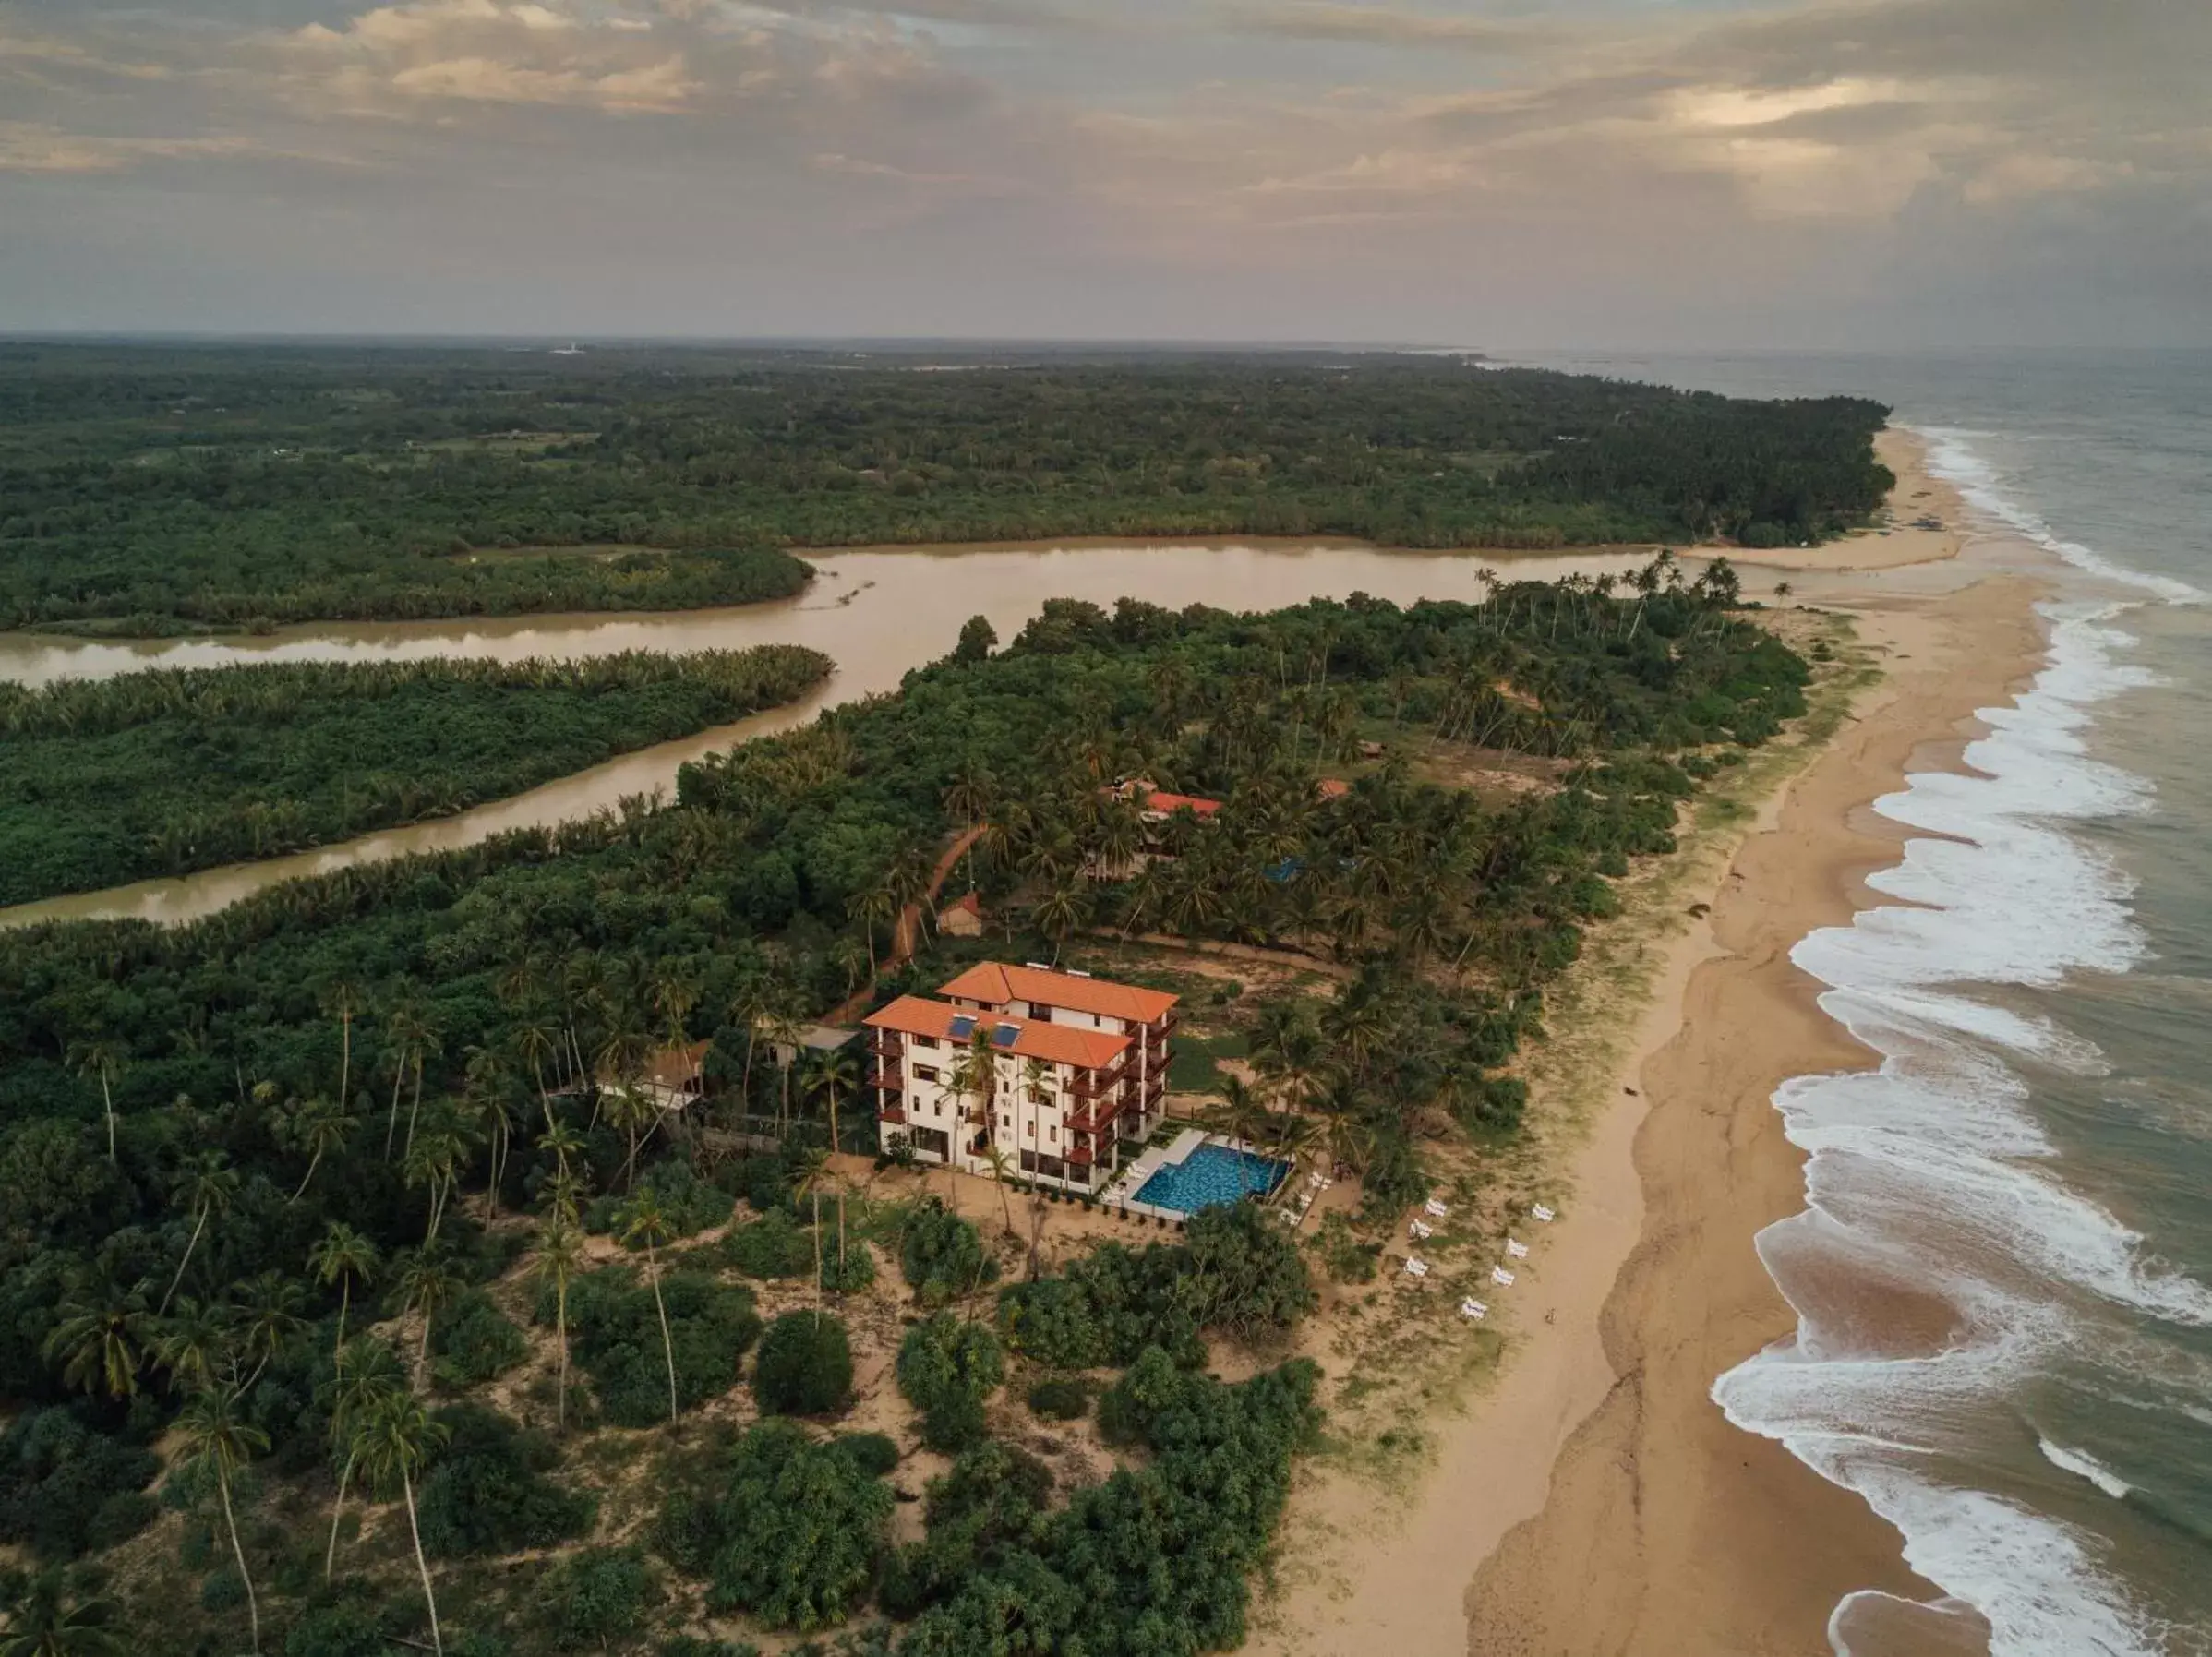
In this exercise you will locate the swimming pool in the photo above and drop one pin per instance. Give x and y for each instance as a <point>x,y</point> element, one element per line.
<point>1211,1174</point>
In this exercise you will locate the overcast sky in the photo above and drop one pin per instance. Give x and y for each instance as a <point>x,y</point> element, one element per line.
<point>1637,172</point>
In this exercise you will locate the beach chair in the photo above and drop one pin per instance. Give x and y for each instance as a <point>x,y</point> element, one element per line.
<point>1435,1208</point>
<point>1419,1230</point>
<point>1501,1276</point>
<point>1470,1307</point>
<point>1543,1213</point>
<point>1519,1250</point>
<point>1415,1269</point>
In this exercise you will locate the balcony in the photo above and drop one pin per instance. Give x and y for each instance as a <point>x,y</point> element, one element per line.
<point>890,1081</point>
<point>1095,1083</point>
<point>895,1114</point>
<point>1095,1115</point>
<point>1081,1156</point>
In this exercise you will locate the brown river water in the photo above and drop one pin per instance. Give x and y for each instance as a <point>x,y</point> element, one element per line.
<point>876,613</point>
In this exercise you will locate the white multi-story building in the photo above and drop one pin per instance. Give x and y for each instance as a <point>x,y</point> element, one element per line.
<point>1053,1069</point>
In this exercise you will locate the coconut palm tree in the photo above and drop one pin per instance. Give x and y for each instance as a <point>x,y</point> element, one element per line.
<point>538,1039</point>
<point>873,906</point>
<point>408,1025</point>
<point>427,1282</point>
<point>366,1374</point>
<point>396,1439</point>
<point>268,1309</point>
<point>207,1185</point>
<point>338,996</point>
<point>1002,1170</point>
<point>103,1059</point>
<point>835,1072</point>
<point>101,1341</point>
<point>216,1440</point>
<point>1061,913</point>
<point>344,1256</point>
<point>318,1127</point>
<point>44,1622</point>
<point>559,1259</point>
<point>644,1222</point>
<point>193,1343</point>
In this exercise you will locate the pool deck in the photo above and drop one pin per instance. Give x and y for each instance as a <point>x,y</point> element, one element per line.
<point>1122,1193</point>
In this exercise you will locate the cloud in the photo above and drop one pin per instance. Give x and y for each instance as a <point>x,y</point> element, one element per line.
<point>1388,26</point>
<point>29,147</point>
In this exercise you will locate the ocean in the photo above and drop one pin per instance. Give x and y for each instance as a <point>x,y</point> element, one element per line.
<point>2035,1153</point>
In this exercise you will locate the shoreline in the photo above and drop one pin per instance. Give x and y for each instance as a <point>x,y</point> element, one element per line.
<point>1707,1537</point>
<point>1592,1454</point>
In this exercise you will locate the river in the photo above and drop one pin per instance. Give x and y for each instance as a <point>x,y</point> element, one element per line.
<point>878,614</point>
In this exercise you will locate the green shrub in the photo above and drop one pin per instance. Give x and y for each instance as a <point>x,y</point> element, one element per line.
<point>987,1503</point>
<point>789,1530</point>
<point>691,1204</point>
<point>775,1245</point>
<point>599,1596</point>
<point>66,1489</point>
<point>947,1367</point>
<point>1060,1399</point>
<point>487,1492</point>
<point>474,1341</point>
<point>941,1254</point>
<point>617,1339</point>
<point>224,1590</point>
<point>350,1628</point>
<point>856,1274</point>
<point>874,1453</point>
<point>805,1366</point>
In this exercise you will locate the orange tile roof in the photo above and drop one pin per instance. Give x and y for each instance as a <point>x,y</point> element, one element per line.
<point>1034,1038</point>
<point>1334,787</point>
<point>994,983</point>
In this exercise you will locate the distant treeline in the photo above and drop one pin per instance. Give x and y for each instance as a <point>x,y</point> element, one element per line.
<point>107,781</point>
<point>148,489</point>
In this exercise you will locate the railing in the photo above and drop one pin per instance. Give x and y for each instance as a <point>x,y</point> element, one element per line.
<point>1095,1115</point>
<point>891,1113</point>
<point>1090,1083</point>
<point>891,1080</point>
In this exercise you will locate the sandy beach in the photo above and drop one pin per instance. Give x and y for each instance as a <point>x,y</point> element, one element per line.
<point>1590,1498</point>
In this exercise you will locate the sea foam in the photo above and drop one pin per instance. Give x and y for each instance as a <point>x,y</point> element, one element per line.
<point>1930,1170</point>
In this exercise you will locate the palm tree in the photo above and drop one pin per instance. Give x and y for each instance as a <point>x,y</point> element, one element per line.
<point>395,1440</point>
<point>103,1059</point>
<point>216,1440</point>
<point>366,1374</point>
<point>344,1256</point>
<point>42,1623</point>
<point>101,1341</point>
<point>269,1320</point>
<point>538,1038</point>
<point>1060,913</point>
<point>426,1282</point>
<point>408,1025</point>
<point>813,1168</point>
<point>560,1259</point>
<point>318,1127</point>
<point>877,906</point>
<point>1002,1170</point>
<point>338,996</point>
<point>644,1222</point>
<point>207,1185</point>
<point>835,1072</point>
<point>193,1344</point>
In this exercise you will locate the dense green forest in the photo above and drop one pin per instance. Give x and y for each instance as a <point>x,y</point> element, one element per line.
<point>154,489</point>
<point>161,773</point>
<point>229,1148</point>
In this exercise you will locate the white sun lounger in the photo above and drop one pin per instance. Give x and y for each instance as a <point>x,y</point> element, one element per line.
<point>1435,1207</point>
<point>1543,1213</point>
<point>1470,1307</point>
<point>1501,1276</point>
<point>1519,1250</point>
<point>1418,1229</point>
<point>1415,1269</point>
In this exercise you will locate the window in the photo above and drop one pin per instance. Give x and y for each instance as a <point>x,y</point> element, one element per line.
<point>1006,1122</point>
<point>1055,1134</point>
<point>925,1042</point>
<point>923,1073</point>
<point>1032,1130</point>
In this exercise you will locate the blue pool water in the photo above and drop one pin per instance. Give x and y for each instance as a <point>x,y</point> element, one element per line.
<point>1210,1175</point>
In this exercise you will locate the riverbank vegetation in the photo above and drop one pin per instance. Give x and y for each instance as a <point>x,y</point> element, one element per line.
<point>314,1178</point>
<point>108,781</point>
<point>152,490</point>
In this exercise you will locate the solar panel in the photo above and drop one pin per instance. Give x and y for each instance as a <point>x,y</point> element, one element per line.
<point>1005,1035</point>
<point>964,1026</point>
